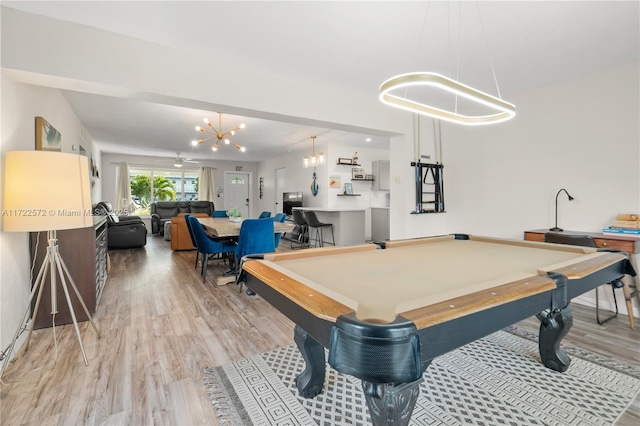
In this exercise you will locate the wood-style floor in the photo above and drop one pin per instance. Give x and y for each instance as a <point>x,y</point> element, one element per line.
<point>161,325</point>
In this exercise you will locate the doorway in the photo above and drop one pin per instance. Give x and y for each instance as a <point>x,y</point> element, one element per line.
<point>237,188</point>
<point>279,188</point>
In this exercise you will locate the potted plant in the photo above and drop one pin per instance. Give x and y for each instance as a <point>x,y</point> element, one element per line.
<point>234,214</point>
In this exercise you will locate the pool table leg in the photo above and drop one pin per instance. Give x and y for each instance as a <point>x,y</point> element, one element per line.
<point>553,328</point>
<point>391,404</point>
<point>311,381</point>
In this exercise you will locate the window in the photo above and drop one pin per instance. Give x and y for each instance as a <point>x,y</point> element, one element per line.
<point>165,185</point>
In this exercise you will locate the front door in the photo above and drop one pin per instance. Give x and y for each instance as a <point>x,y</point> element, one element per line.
<point>237,192</point>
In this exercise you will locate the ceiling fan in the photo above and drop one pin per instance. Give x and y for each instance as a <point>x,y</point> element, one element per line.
<point>178,161</point>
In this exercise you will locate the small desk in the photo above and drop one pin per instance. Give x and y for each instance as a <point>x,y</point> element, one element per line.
<point>628,244</point>
<point>222,227</point>
<point>386,314</point>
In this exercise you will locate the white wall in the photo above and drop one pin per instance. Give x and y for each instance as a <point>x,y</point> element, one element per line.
<point>21,103</point>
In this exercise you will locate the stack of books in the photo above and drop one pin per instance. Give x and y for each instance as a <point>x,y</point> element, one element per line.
<point>625,224</point>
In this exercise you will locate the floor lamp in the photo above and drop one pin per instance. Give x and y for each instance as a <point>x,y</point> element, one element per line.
<point>47,191</point>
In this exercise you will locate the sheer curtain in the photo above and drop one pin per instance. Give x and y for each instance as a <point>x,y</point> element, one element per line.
<point>123,190</point>
<point>206,185</point>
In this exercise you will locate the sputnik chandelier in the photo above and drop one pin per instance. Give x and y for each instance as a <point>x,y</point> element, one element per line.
<point>217,134</point>
<point>313,159</point>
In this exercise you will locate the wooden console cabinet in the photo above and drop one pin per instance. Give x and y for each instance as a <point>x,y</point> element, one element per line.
<point>84,251</point>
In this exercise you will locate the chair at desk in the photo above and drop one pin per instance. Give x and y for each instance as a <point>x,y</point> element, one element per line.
<point>264,215</point>
<point>301,230</point>
<point>256,237</point>
<point>587,241</point>
<point>207,245</point>
<point>279,217</point>
<point>313,222</point>
<point>220,213</point>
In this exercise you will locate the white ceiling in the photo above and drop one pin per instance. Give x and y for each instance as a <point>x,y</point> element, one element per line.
<point>356,45</point>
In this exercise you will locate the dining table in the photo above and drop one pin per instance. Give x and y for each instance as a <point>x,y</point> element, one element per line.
<point>222,227</point>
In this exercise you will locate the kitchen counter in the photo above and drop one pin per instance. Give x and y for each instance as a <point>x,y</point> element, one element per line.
<point>348,224</point>
<point>321,209</point>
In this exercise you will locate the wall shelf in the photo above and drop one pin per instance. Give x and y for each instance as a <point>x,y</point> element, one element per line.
<point>366,180</point>
<point>350,165</point>
<point>349,195</point>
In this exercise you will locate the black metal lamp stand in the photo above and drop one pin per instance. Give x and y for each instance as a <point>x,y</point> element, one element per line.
<point>555,228</point>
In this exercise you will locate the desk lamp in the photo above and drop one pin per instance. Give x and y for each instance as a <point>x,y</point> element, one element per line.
<point>555,228</point>
<point>47,191</point>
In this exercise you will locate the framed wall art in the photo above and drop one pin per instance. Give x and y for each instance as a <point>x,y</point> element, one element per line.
<point>47,137</point>
<point>348,189</point>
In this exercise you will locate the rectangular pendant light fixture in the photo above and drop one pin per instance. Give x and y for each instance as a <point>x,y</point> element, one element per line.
<point>503,110</point>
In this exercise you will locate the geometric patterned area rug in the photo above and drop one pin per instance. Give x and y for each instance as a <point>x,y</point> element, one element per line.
<point>497,380</point>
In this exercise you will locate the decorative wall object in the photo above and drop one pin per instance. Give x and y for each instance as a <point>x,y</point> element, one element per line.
<point>261,187</point>
<point>47,137</point>
<point>314,185</point>
<point>334,182</point>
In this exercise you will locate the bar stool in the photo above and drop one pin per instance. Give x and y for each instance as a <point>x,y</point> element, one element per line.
<point>313,222</point>
<point>303,229</point>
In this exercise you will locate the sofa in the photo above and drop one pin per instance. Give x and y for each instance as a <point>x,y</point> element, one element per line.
<point>180,238</point>
<point>122,231</point>
<point>163,211</point>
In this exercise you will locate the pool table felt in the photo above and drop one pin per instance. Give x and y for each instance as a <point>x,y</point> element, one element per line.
<point>415,274</point>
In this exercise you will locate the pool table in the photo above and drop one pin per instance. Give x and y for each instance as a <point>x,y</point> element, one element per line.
<point>385,314</point>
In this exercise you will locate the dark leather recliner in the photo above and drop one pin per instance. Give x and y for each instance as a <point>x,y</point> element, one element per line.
<point>163,211</point>
<point>122,231</point>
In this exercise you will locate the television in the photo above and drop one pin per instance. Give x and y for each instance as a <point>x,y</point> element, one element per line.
<point>291,200</point>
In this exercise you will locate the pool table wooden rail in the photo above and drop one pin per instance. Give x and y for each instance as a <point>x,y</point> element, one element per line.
<point>307,298</point>
<point>438,313</point>
<point>590,265</point>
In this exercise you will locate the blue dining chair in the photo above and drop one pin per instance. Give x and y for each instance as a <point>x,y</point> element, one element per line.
<point>207,245</point>
<point>256,237</point>
<point>279,217</point>
<point>193,238</point>
<point>220,213</point>
<point>264,215</point>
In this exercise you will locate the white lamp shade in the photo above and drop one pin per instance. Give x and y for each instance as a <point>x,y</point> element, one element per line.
<point>46,191</point>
